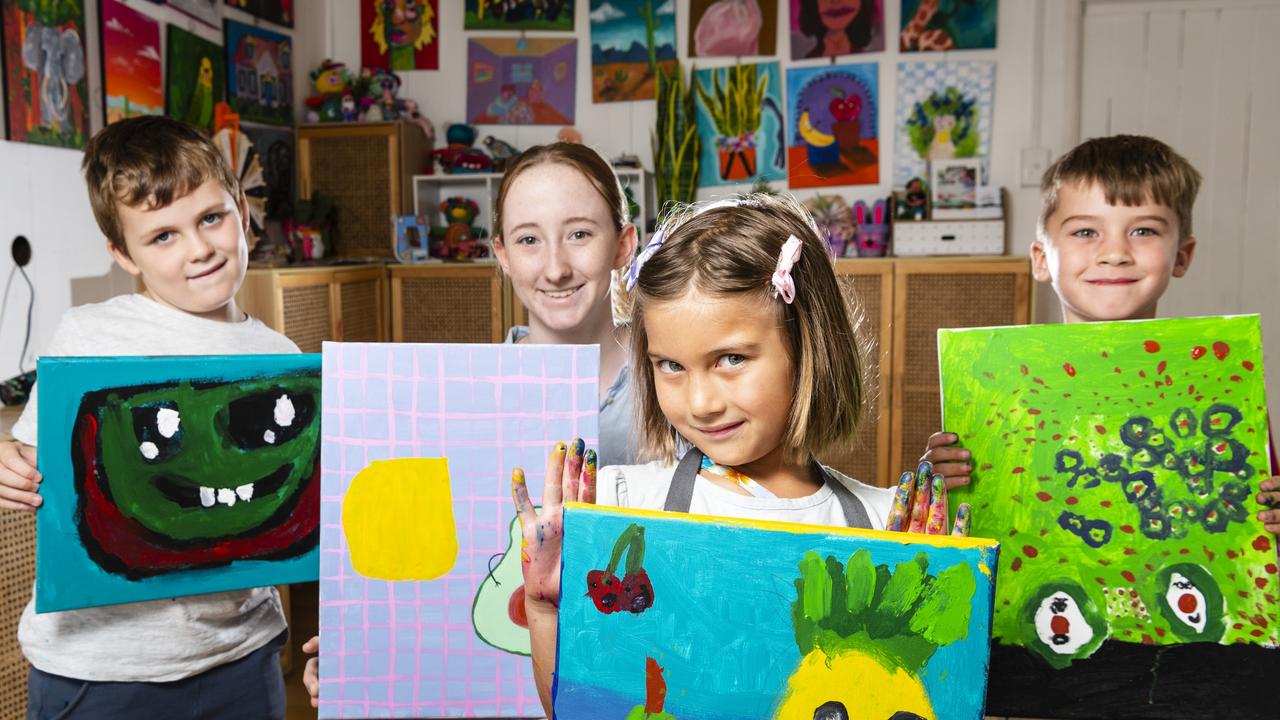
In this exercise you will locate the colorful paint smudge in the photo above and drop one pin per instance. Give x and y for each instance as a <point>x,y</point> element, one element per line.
<point>259,73</point>
<point>829,28</point>
<point>44,72</point>
<point>1119,462</point>
<point>434,626</point>
<point>629,39</point>
<point>400,34</point>
<point>514,82</point>
<point>179,479</point>
<point>518,15</point>
<point>732,28</point>
<point>740,119</point>
<point>829,623</point>
<point>935,25</point>
<point>944,111</point>
<point>195,79</point>
<point>833,135</point>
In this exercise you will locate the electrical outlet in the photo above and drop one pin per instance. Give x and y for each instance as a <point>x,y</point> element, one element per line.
<point>1034,161</point>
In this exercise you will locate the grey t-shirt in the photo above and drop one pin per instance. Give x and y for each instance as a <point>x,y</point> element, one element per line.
<point>618,435</point>
<point>160,640</point>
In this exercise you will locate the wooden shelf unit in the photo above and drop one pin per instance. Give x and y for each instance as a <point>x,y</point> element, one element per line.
<point>312,304</point>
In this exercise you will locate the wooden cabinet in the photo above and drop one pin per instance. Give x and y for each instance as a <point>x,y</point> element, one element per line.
<point>18,560</point>
<point>367,168</point>
<point>902,303</point>
<point>314,304</point>
<point>460,302</point>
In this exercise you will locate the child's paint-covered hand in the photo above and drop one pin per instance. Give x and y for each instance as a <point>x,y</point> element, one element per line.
<point>920,505</point>
<point>954,464</point>
<point>1270,498</point>
<point>19,479</point>
<point>543,528</point>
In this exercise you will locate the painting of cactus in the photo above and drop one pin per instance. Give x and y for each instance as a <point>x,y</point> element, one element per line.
<point>827,623</point>
<point>1120,462</point>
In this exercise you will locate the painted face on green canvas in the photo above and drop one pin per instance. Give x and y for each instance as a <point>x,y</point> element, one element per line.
<point>193,461</point>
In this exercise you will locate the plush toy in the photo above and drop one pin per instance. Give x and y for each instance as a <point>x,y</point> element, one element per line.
<point>383,86</point>
<point>834,220</point>
<point>410,112</point>
<point>460,157</point>
<point>872,236</point>
<point>501,152</point>
<point>460,239</point>
<point>913,203</point>
<point>329,83</point>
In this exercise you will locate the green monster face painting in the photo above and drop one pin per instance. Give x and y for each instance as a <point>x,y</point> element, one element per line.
<point>190,475</point>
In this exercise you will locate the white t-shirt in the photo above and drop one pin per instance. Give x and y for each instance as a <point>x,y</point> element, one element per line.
<point>159,640</point>
<point>645,487</point>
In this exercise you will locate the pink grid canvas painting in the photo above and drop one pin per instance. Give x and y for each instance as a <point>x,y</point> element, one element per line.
<point>393,648</point>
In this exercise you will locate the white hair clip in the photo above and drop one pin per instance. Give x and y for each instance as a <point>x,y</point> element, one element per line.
<point>784,286</point>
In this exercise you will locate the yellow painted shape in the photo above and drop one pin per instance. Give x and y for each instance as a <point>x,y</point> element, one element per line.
<point>398,520</point>
<point>866,687</point>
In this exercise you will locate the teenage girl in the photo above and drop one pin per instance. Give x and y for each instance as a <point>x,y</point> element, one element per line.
<point>746,368</point>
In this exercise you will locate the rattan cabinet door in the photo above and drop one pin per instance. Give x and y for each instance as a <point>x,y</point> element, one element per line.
<point>361,303</point>
<point>934,294</point>
<point>19,554</point>
<point>868,285</point>
<point>451,304</point>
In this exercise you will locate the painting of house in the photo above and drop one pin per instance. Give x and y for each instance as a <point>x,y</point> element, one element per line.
<point>259,73</point>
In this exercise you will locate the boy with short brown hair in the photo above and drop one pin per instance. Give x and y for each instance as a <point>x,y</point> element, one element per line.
<point>1114,228</point>
<point>173,215</point>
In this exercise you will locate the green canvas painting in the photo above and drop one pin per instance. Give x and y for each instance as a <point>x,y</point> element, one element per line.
<point>195,78</point>
<point>1118,464</point>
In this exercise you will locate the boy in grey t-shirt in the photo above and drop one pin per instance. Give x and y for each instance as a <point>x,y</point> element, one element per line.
<point>173,215</point>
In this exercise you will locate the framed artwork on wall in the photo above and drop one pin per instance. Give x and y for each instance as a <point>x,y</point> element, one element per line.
<point>44,72</point>
<point>279,12</point>
<point>196,77</point>
<point>259,73</point>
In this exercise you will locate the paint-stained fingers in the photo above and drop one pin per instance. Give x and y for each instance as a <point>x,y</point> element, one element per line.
<point>572,469</point>
<point>953,463</point>
<point>937,520</point>
<point>924,496</point>
<point>964,517</point>
<point>1270,520</point>
<point>1270,484</point>
<point>552,491</point>
<point>1268,499</point>
<point>520,493</point>
<point>587,489</point>
<point>900,511</point>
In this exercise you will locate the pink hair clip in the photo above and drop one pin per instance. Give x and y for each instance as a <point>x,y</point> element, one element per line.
<point>784,285</point>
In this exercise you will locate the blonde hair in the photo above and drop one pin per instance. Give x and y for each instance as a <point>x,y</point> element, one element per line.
<point>730,248</point>
<point>1131,170</point>
<point>149,160</point>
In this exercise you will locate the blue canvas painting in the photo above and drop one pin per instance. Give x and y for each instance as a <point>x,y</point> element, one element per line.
<point>740,120</point>
<point>628,39</point>
<point>666,615</point>
<point>175,476</point>
<point>421,590</point>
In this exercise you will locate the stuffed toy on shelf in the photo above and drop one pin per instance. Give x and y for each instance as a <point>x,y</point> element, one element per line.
<point>460,157</point>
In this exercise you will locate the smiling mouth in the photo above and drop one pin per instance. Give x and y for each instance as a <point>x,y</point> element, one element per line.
<point>210,271</point>
<point>561,294</point>
<point>1113,281</point>
<point>191,496</point>
<point>838,13</point>
<point>720,431</point>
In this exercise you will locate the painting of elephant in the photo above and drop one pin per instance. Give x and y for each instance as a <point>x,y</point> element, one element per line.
<point>44,80</point>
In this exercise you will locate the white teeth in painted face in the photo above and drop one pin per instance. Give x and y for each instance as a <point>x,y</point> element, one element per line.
<point>226,496</point>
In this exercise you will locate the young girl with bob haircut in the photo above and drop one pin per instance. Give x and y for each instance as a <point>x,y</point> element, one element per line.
<point>747,368</point>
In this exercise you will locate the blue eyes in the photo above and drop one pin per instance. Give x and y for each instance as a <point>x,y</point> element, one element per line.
<point>210,219</point>
<point>731,360</point>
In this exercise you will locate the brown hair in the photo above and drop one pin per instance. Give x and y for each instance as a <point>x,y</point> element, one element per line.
<point>580,157</point>
<point>1131,169</point>
<point>148,160</point>
<point>730,248</point>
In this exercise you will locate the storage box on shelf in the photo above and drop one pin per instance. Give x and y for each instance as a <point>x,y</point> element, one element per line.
<point>368,169</point>
<point>951,235</point>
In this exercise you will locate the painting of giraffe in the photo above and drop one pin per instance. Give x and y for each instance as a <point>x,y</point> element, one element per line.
<point>930,25</point>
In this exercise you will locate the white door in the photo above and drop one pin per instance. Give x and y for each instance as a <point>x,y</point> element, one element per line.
<point>1201,75</point>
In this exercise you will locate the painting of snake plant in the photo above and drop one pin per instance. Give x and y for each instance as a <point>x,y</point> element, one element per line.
<point>833,137</point>
<point>1119,463</point>
<point>666,615</point>
<point>176,476</point>
<point>44,72</point>
<point>740,121</point>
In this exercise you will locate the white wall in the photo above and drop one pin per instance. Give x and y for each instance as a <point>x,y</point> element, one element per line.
<point>615,128</point>
<point>42,197</point>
